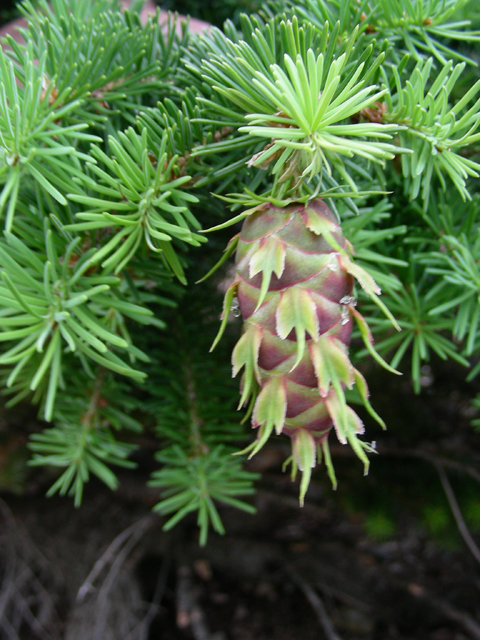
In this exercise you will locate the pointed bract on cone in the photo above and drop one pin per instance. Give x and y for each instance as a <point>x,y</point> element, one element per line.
<point>294,284</point>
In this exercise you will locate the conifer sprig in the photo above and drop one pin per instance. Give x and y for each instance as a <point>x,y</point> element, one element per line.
<point>52,305</point>
<point>302,106</point>
<point>35,134</point>
<point>107,58</point>
<point>82,441</point>
<point>194,484</point>
<point>365,232</point>
<point>422,332</point>
<point>421,28</point>
<point>459,286</point>
<point>197,424</point>
<point>437,131</point>
<point>140,195</point>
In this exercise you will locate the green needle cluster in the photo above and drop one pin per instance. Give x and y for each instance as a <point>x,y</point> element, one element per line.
<point>121,142</point>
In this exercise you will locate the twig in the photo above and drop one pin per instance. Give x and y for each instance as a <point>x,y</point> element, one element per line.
<point>109,554</point>
<point>317,605</point>
<point>183,597</point>
<point>7,583</point>
<point>346,598</point>
<point>433,458</point>
<point>157,598</point>
<point>7,628</point>
<point>457,514</point>
<point>189,612</point>
<point>467,621</point>
<point>120,559</point>
<point>24,600</point>
<point>23,605</point>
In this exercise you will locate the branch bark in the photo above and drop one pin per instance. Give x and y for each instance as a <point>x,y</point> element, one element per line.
<point>317,605</point>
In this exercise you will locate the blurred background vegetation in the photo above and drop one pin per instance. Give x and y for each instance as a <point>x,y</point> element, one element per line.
<point>8,11</point>
<point>213,11</point>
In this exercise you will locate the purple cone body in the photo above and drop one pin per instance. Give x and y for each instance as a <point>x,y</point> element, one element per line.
<point>294,285</point>
<point>310,265</point>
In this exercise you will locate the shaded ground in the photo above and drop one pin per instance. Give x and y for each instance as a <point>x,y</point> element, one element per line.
<point>284,573</point>
<point>380,559</point>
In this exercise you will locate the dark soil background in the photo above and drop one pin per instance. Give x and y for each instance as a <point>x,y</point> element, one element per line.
<point>380,559</point>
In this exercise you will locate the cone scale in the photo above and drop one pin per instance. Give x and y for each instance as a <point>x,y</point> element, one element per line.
<point>294,284</point>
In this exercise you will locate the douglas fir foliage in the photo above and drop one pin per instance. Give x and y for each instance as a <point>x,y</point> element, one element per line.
<point>343,135</point>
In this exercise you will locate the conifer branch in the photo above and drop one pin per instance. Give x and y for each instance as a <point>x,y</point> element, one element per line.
<point>341,117</point>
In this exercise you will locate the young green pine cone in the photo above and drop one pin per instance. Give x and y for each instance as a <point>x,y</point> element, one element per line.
<point>294,285</point>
